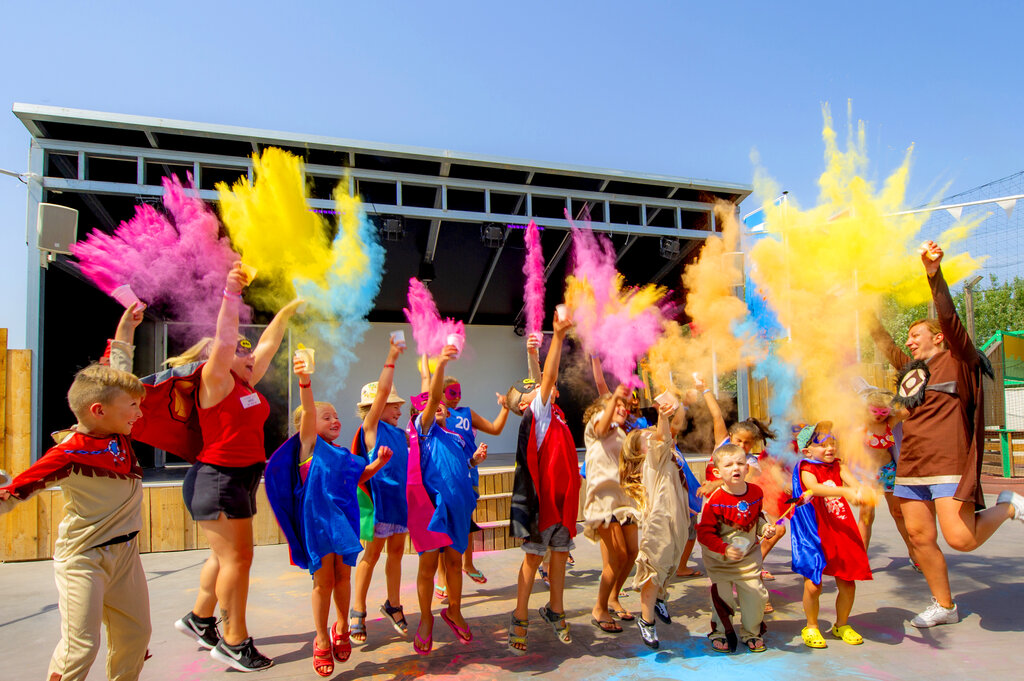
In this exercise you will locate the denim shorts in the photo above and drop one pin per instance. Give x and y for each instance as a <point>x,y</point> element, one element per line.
<point>926,492</point>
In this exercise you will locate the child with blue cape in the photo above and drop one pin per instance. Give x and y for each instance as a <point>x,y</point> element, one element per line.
<point>444,457</point>
<point>311,484</point>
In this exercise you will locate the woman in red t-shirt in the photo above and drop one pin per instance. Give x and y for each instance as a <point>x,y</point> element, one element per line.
<point>220,488</point>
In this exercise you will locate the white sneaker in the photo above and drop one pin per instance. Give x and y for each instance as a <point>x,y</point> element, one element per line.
<point>936,614</point>
<point>1015,500</point>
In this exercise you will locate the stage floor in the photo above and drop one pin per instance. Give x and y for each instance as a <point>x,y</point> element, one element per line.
<point>986,644</point>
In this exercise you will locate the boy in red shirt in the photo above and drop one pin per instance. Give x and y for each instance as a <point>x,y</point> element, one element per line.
<point>730,530</point>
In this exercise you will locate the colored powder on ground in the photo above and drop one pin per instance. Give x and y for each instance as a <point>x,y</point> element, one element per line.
<point>825,269</point>
<point>617,323</point>
<point>533,270</point>
<point>428,329</point>
<point>175,261</point>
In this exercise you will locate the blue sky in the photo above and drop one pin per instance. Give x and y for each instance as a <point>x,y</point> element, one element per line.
<point>669,87</point>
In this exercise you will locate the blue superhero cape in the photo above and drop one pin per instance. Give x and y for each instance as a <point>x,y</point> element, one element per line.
<point>387,487</point>
<point>445,477</point>
<point>692,484</point>
<point>321,516</point>
<point>808,556</point>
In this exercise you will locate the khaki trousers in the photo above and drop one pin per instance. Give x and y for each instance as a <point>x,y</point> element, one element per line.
<point>750,598</point>
<point>102,587</point>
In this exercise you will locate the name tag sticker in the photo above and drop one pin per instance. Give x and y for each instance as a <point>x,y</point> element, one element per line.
<point>250,400</point>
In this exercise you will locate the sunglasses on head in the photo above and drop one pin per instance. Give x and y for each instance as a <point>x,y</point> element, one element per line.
<point>243,348</point>
<point>453,392</point>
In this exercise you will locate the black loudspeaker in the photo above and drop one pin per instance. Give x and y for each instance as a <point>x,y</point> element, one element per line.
<point>57,227</point>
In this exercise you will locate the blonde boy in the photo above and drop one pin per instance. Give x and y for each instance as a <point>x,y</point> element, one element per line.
<point>730,530</point>
<point>96,559</point>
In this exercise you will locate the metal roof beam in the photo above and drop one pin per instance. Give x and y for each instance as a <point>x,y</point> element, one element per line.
<point>482,289</point>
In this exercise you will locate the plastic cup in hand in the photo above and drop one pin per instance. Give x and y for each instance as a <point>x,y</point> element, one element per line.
<point>308,359</point>
<point>537,336</point>
<point>301,309</point>
<point>5,479</point>
<point>249,271</point>
<point>125,295</point>
<point>562,311</point>
<point>457,341</point>
<point>741,544</point>
<point>924,249</point>
<point>667,398</point>
<point>398,338</point>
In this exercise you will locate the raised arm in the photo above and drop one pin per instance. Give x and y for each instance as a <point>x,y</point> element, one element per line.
<point>604,424</point>
<point>598,371</point>
<point>307,422</point>
<point>550,374</point>
<point>122,345</point>
<point>216,377</point>
<point>717,420</point>
<point>436,388</point>
<point>533,357</point>
<point>270,340</point>
<point>384,383</point>
<point>957,338</point>
<point>424,373</point>
<point>884,343</point>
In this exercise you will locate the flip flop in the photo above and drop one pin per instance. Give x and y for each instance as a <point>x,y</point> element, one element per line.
<point>848,635</point>
<point>624,615</point>
<point>691,573</point>
<point>476,576</point>
<point>720,645</point>
<point>756,645</point>
<point>812,638</point>
<point>607,626</point>
<point>767,576</point>
<point>462,633</point>
<point>421,645</point>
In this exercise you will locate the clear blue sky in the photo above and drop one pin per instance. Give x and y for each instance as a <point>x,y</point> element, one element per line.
<point>670,87</point>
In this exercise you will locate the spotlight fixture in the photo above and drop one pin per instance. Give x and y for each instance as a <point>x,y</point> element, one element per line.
<point>669,247</point>
<point>392,228</point>
<point>426,273</point>
<point>492,234</point>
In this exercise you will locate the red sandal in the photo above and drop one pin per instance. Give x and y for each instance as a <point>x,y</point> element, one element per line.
<point>341,646</point>
<point>323,662</point>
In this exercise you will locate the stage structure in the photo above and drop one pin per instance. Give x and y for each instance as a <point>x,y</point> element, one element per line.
<point>452,218</point>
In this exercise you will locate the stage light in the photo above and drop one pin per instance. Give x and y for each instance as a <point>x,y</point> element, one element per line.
<point>392,228</point>
<point>426,273</point>
<point>492,234</point>
<point>669,247</point>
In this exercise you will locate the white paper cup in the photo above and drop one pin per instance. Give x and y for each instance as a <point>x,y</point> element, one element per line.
<point>308,358</point>
<point>562,310</point>
<point>457,341</point>
<point>125,295</point>
<point>398,338</point>
<point>537,336</point>
<point>741,544</point>
<point>668,398</point>
<point>302,307</point>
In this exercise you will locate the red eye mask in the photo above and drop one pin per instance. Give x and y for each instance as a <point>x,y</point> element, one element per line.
<point>419,402</point>
<point>453,393</point>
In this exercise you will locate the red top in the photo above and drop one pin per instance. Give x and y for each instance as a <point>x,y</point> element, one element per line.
<point>233,428</point>
<point>725,509</point>
<point>845,556</point>
<point>556,474</point>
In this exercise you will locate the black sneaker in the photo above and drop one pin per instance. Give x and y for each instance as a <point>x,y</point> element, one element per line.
<point>244,657</point>
<point>204,629</point>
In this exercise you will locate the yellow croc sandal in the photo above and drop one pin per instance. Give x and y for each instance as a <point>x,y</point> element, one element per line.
<point>847,634</point>
<point>813,638</point>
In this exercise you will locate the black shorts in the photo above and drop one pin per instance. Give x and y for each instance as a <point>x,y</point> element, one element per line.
<point>210,490</point>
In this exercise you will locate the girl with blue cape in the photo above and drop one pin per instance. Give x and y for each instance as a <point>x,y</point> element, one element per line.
<point>311,484</point>
<point>443,462</point>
